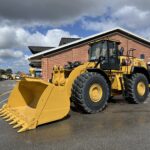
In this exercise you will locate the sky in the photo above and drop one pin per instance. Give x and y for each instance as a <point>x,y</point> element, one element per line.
<point>45,22</point>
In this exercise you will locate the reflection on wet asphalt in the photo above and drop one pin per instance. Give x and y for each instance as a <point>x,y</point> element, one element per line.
<point>121,126</point>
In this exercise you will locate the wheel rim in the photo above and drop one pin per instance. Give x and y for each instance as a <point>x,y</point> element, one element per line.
<point>141,88</point>
<point>96,93</point>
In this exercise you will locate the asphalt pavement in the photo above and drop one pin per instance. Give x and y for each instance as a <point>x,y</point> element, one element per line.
<point>6,86</point>
<point>121,126</point>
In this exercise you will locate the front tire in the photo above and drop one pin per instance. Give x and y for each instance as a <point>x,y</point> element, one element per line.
<point>136,88</point>
<point>90,92</point>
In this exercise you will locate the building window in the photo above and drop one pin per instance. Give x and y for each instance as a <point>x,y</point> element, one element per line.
<point>142,56</point>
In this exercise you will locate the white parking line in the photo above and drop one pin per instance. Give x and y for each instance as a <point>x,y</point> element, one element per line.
<point>7,85</point>
<point>3,100</point>
<point>5,93</point>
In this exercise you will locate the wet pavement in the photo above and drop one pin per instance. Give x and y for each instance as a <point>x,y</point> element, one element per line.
<point>6,86</point>
<point>121,126</point>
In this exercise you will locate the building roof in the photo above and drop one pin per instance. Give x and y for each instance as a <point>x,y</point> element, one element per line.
<point>37,49</point>
<point>91,38</point>
<point>67,40</point>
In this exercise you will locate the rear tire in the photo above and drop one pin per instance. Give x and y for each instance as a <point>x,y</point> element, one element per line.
<point>90,92</point>
<point>136,88</point>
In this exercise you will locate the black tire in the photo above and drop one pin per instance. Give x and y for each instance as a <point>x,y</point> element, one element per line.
<point>80,92</point>
<point>131,93</point>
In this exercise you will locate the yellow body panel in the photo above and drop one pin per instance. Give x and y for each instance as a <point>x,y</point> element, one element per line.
<point>116,84</point>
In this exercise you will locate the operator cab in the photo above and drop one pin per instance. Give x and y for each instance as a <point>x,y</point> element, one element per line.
<point>106,53</point>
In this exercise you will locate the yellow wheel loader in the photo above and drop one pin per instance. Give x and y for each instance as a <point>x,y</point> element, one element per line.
<point>89,86</point>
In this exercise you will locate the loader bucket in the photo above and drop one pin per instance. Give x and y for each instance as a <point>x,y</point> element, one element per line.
<point>34,102</point>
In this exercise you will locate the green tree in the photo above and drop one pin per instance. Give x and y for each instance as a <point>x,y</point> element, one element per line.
<point>9,71</point>
<point>2,71</point>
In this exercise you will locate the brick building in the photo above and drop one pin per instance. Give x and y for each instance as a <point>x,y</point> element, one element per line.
<point>78,50</point>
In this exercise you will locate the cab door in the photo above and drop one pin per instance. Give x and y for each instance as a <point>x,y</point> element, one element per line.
<point>111,61</point>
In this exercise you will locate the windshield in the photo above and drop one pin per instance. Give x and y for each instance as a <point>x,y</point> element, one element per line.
<point>97,50</point>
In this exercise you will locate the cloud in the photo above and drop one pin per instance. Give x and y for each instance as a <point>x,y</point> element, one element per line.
<point>16,63</point>
<point>133,15</point>
<point>14,42</point>
<point>13,59</point>
<point>16,37</point>
<point>21,64</point>
<point>52,37</point>
<point>57,13</point>
<point>10,54</point>
<point>54,12</point>
<point>130,17</point>
<point>135,18</point>
<point>98,25</point>
<point>1,61</point>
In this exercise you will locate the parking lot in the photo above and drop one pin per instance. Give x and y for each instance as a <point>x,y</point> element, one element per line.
<point>121,126</point>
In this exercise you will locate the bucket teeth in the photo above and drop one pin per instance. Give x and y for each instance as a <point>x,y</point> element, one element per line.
<point>13,122</point>
<point>3,107</point>
<point>1,115</point>
<point>2,112</point>
<point>5,113</point>
<point>9,119</point>
<point>18,125</point>
<point>16,119</point>
<point>7,116</point>
<point>22,129</point>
